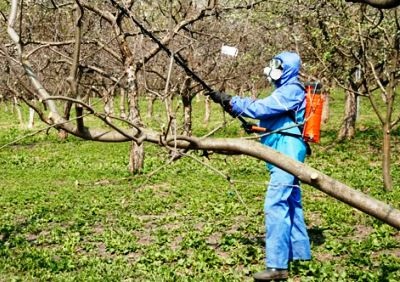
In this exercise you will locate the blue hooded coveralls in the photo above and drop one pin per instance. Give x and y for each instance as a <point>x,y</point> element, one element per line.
<point>286,233</point>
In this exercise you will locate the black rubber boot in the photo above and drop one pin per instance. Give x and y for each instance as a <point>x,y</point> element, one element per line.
<point>271,274</point>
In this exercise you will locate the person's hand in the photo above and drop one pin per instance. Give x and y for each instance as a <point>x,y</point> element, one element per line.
<point>220,97</point>
<point>223,99</point>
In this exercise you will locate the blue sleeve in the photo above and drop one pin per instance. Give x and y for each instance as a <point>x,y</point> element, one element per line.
<point>280,101</point>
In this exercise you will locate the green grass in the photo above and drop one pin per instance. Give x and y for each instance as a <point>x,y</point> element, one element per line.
<point>70,211</point>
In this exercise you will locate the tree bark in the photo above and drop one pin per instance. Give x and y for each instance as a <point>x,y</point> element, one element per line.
<point>122,112</point>
<point>31,120</point>
<point>187,107</point>
<point>386,161</point>
<point>17,108</point>
<point>187,113</point>
<point>136,158</point>
<point>150,105</point>
<point>348,128</point>
<point>325,109</point>
<point>108,100</point>
<point>207,110</point>
<point>62,134</point>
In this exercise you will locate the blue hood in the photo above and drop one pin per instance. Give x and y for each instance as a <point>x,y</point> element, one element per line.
<point>291,63</point>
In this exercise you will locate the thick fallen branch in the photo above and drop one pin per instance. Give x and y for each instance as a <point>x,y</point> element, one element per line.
<point>305,173</point>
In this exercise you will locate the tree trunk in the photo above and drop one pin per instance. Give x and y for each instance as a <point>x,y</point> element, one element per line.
<point>150,105</point>
<point>79,118</point>
<point>325,109</point>
<point>3,100</point>
<point>347,130</point>
<point>122,111</point>
<point>136,157</point>
<point>207,112</point>
<point>17,108</point>
<point>187,107</point>
<point>387,178</point>
<point>187,112</point>
<point>31,120</point>
<point>108,104</point>
<point>62,134</point>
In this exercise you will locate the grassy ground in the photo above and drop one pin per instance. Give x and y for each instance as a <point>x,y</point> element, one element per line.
<point>71,212</point>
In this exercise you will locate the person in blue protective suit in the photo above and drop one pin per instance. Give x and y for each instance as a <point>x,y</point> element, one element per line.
<point>286,233</point>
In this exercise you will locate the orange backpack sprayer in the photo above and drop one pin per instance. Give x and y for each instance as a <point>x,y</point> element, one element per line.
<point>313,113</point>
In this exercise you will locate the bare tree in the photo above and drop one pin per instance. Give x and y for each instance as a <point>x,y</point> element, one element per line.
<point>360,55</point>
<point>383,69</point>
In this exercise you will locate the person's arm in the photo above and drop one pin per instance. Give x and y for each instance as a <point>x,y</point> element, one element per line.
<point>275,104</point>
<point>280,101</point>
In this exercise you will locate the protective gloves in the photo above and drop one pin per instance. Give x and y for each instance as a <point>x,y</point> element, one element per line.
<point>223,99</point>
<point>220,97</point>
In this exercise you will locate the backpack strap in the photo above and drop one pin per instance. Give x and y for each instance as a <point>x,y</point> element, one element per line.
<point>292,115</point>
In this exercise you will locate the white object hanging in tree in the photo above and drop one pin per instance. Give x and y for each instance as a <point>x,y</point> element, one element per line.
<point>229,51</point>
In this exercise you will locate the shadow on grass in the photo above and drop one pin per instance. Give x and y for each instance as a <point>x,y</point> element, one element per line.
<point>316,235</point>
<point>387,269</point>
<point>9,230</point>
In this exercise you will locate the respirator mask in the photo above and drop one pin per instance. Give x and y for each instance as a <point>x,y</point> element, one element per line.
<point>274,71</point>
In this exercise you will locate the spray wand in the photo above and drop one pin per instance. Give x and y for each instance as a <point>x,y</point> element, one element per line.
<point>181,63</point>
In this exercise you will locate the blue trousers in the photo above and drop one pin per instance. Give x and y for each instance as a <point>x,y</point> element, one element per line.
<point>286,232</point>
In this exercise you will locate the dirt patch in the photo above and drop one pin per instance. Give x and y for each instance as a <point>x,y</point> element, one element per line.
<point>389,252</point>
<point>162,189</point>
<point>176,242</point>
<point>31,237</point>
<point>314,218</point>
<point>143,237</point>
<point>102,250</point>
<point>214,239</point>
<point>362,231</point>
<point>134,256</point>
<point>97,229</point>
<point>323,257</point>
